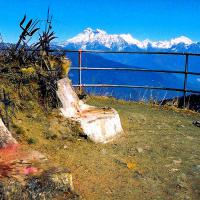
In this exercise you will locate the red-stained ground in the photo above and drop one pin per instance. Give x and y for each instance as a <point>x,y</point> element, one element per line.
<point>12,162</point>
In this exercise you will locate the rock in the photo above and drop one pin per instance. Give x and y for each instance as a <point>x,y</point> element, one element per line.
<point>196,169</point>
<point>183,177</point>
<point>196,123</point>
<point>174,170</point>
<point>189,137</point>
<point>103,151</point>
<point>101,125</point>
<point>121,163</point>
<point>6,138</point>
<point>51,184</point>
<point>35,155</point>
<point>139,150</point>
<point>34,115</point>
<point>177,162</point>
<point>182,181</point>
<point>138,174</point>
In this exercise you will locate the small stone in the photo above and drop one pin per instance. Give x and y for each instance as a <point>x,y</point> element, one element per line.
<point>103,151</point>
<point>19,121</point>
<point>148,148</point>
<point>35,155</point>
<point>29,116</point>
<point>183,177</point>
<point>196,123</point>
<point>159,127</point>
<point>196,169</point>
<point>169,165</point>
<point>34,116</point>
<point>182,181</point>
<point>138,174</point>
<point>139,150</point>
<point>24,162</point>
<point>174,170</point>
<point>65,147</point>
<point>177,162</point>
<point>189,137</point>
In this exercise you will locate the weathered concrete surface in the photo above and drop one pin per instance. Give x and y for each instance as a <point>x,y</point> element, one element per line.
<point>69,99</point>
<point>6,137</point>
<point>99,124</point>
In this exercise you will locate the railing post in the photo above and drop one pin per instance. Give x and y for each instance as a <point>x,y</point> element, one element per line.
<point>80,69</point>
<point>185,80</point>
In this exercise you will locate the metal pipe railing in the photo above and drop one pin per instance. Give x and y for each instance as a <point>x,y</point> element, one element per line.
<point>136,87</point>
<point>80,69</point>
<point>185,80</point>
<point>185,72</point>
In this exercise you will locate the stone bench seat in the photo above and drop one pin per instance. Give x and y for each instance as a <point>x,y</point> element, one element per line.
<point>99,124</point>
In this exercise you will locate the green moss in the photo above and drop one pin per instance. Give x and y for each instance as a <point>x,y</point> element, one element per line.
<point>50,135</point>
<point>31,141</point>
<point>18,129</point>
<point>28,71</point>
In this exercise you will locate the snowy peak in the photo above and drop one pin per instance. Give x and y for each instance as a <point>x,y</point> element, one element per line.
<point>130,40</point>
<point>94,39</point>
<point>94,31</point>
<point>169,43</point>
<point>88,35</point>
<point>91,31</point>
<point>181,39</point>
<point>96,36</point>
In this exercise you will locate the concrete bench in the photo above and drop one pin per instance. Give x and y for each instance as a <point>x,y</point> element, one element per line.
<point>99,124</point>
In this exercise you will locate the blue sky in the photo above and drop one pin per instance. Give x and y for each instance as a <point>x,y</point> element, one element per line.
<point>152,19</point>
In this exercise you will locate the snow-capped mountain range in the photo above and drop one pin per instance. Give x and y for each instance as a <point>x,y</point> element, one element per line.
<point>101,40</point>
<point>98,39</point>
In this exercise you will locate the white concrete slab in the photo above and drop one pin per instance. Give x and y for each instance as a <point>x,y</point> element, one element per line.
<point>6,137</point>
<point>101,125</point>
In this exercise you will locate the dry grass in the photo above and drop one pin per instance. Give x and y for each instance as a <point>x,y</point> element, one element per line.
<point>156,158</point>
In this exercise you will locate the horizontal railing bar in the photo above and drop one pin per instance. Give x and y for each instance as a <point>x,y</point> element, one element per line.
<point>135,87</point>
<point>194,73</point>
<point>134,69</point>
<point>133,52</point>
<point>128,69</point>
<point>128,86</point>
<point>193,91</point>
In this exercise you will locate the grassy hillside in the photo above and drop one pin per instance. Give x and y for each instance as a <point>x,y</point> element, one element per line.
<point>156,158</point>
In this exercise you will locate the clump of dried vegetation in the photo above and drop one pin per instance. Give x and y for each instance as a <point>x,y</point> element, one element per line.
<point>29,72</point>
<point>28,102</point>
